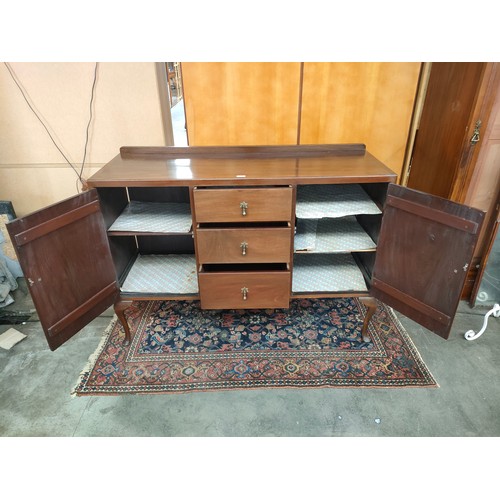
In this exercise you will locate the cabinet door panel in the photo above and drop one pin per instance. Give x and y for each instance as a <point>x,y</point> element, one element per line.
<point>65,256</point>
<point>425,248</point>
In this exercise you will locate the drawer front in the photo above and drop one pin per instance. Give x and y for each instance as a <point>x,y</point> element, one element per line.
<point>219,246</point>
<point>247,290</point>
<point>243,205</point>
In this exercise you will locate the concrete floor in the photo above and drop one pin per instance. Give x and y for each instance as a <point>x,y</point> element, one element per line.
<point>36,384</point>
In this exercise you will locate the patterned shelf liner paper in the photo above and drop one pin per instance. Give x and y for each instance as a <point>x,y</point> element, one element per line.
<point>318,201</point>
<point>154,217</point>
<point>175,274</point>
<point>331,235</point>
<point>326,273</point>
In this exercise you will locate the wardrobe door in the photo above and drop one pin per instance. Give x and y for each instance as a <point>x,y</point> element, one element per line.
<point>65,257</point>
<point>424,250</point>
<point>233,103</point>
<point>367,102</point>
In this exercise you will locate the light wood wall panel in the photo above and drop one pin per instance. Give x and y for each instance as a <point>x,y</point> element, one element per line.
<point>371,103</point>
<point>241,103</point>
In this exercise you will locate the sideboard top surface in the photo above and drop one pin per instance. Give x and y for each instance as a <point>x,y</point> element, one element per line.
<point>249,165</point>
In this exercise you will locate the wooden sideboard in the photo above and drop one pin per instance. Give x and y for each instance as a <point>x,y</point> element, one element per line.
<point>245,227</point>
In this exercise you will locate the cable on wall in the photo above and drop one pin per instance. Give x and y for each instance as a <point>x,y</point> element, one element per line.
<point>92,93</point>
<point>27,99</point>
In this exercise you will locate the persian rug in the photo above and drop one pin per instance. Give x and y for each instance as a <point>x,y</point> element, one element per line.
<point>176,347</point>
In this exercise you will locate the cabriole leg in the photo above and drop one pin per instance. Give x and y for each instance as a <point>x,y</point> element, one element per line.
<point>371,306</point>
<point>120,308</point>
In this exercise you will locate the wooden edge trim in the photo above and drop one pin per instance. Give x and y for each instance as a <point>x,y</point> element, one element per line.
<point>299,110</point>
<point>163,91</point>
<point>56,223</point>
<point>482,265</point>
<point>63,323</point>
<point>131,296</point>
<point>433,214</point>
<point>411,302</point>
<point>303,150</point>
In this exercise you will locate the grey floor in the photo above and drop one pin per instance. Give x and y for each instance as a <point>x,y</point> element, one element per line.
<point>36,385</point>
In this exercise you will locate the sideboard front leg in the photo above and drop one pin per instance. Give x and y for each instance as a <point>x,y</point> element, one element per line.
<point>371,304</point>
<point>120,308</point>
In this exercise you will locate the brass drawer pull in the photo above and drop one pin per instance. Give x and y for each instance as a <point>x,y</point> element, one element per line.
<point>244,292</point>
<point>243,206</point>
<point>244,248</point>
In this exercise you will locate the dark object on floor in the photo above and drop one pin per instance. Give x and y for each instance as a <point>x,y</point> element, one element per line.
<point>22,309</point>
<point>13,320</point>
<point>6,207</point>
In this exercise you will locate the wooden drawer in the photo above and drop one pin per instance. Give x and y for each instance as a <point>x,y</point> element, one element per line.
<point>226,205</point>
<point>266,290</point>
<point>252,245</point>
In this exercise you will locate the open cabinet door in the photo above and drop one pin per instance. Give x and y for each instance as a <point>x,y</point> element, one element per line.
<point>65,256</point>
<point>424,250</point>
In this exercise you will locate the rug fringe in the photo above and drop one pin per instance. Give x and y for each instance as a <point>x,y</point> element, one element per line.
<point>93,357</point>
<point>423,376</point>
<point>415,352</point>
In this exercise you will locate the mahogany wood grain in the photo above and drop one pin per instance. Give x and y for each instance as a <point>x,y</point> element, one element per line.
<point>223,290</point>
<point>371,306</point>
<point>56,223</point>
<point>224,205</point>
<point>416,246</point>
<point>261,245</point>
<point>120,307</point>
<point>280,151</point>
<point>443,131</point>
<point>421,263</point>
<point>68,265</point>
<point>166,168</point>
<point>484,110</point>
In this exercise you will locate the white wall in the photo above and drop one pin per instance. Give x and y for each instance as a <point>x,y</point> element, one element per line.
<point>126,112</point>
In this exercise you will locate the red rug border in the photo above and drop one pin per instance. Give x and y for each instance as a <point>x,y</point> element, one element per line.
<point>81,389</point>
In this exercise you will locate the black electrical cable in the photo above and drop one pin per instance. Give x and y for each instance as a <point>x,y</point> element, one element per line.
<point>90,120</point>
<point>79,174</point>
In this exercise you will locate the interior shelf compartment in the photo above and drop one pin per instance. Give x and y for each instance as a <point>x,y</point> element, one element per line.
<point>333,200</point>
<point>319,273</point>
<point>153,217</point>
<point>162,274</point>
<point>343,234</point>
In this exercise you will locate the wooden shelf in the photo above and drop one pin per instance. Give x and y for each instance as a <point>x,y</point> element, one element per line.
<point>153,218</point>
<point>162,274</point>
<point>343,235</point>
<point>326,273</point>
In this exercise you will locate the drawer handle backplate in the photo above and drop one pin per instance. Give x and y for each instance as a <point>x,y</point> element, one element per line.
<point>244,207</point>
<point>244,292</point>
<point>244,248</point>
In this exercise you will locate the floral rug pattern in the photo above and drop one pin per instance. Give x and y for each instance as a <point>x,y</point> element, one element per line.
<point>177,347</point>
